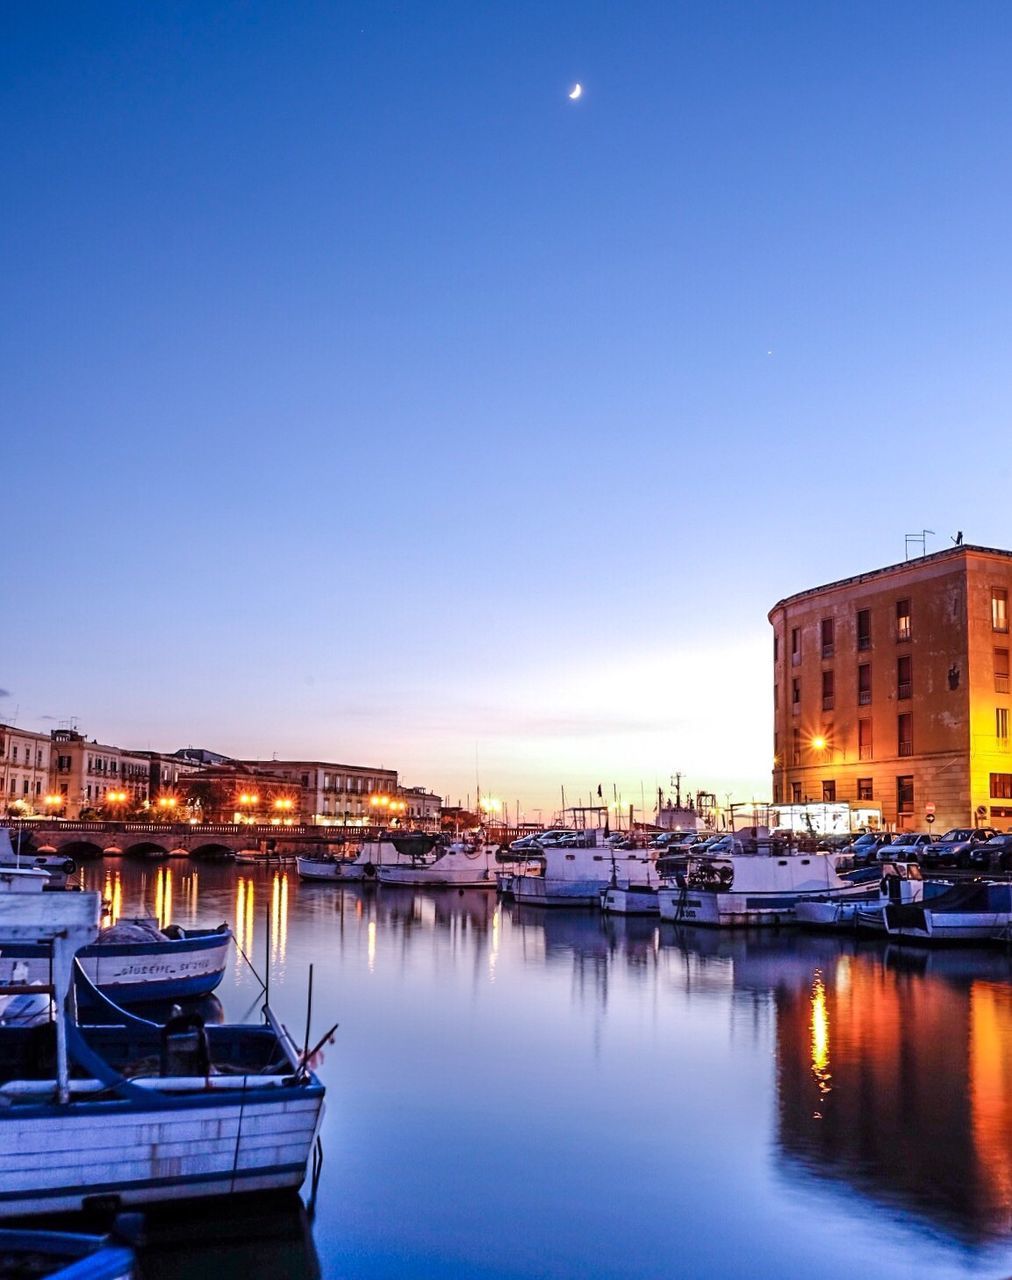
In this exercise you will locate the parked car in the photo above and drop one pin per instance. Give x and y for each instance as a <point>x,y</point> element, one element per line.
<point>953,848</point>
<point>833,843</point>
<point>993,855</point>
<point>907,846</point>
<point>864,850</point>
<point>539,839</point>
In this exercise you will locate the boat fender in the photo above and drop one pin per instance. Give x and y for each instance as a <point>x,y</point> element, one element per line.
<point>369,869</point>
<point>174,932</point>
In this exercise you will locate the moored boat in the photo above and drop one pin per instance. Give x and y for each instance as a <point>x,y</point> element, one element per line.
<point>133,961</point>
<point>756,885</point>
<point>630,900</point>
<point>901,882</point>
<point>574,874</point>
<point>441,862</point>
<point>978,911</point>
<point>63,1255</point>
<point>136,1113</point>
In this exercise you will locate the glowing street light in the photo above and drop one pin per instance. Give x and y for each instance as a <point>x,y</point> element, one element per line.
<point>54,802</point>
<point>819,743</point>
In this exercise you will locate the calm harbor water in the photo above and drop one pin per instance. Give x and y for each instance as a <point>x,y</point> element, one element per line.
<point>514,1093</point>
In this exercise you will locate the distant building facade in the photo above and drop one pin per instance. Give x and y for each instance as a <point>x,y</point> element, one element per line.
<point>336,794</point>
<point>24,770</point>
<point>421,807</point>
<point>89,775</point>
<point>892,688</point>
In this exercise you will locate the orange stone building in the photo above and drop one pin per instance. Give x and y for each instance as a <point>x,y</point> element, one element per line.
<point>892,689</point>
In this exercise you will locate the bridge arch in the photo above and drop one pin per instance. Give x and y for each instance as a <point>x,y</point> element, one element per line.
<point>212,850</point>
<point>145,849</point>
<point>81,849</point>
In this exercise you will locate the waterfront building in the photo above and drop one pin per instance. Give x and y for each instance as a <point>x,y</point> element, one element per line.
<point>90,775</point>
<point>421,807</point>
<point>235,792</point>
<point>24,771</point>
<point>891,688</point>
<point>338,794</point>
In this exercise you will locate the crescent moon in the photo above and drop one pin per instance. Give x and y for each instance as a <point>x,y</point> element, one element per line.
<point>576,92</point>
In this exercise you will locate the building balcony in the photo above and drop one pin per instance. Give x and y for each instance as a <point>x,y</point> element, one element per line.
<point>906,748</point>
<point>1001,684</point>
<point>905,689</point>
<point>864,697</point>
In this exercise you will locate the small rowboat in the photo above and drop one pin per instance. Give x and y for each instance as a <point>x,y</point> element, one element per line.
<point>133,962</point>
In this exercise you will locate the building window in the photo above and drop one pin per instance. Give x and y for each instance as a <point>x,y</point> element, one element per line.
<point>864,740</point>
<point>864,628</point>
<point>865,789</point>
<point>776,646</point>
<point>905,734</point>
<point>999,609</point>
<point>776,697</point>
<point>796,747</point>
<point>905,677</point>
<point>14,755</point>
<point>795,646</point>
<point>902,619</point>
<point>795,793</point>
<point>776,793</point>
<point>905,793</point>
<point>1001,671</point>
<point>827,637</point>
<point>829,792</point>
<point>796,695</point>
<point>864,684</point>
<point>827,691</point>
<point>1001,786</point>
<point>1001,723</point>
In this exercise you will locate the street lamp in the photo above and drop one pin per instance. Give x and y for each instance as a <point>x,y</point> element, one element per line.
<point>115,798</point>
<point>166,804</point>
<point>53,802</point>
<point>248,802</point>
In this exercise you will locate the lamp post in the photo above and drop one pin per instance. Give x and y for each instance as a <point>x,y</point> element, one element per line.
<point>248,801</point>
<point>116,799</point>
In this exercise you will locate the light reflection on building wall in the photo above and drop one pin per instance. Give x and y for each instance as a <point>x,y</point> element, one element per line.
<point>917,1109</point>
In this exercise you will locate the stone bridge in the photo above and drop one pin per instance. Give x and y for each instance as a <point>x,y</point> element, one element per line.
<point>83,840</point>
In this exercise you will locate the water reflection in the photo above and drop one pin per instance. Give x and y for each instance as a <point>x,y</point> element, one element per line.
<point>918,1109</point>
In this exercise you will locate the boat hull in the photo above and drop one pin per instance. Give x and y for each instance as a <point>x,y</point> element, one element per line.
<point>450,878</point>
<point>131,972</point>
<point>328,869</point>
<point>629,901</point>
<point>732,910</point>
<point>53,1159</point>
<point>547,891</point>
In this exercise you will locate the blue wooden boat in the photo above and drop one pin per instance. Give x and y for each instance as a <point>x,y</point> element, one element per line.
<point>135,1113</point>
<point>64,1255</point>
<point>133,962</point>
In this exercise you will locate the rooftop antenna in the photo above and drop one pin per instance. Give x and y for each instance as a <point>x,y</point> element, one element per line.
<point>958,539</point>
<point>915,540</point>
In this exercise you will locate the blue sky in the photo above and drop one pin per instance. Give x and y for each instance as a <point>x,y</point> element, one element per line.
<point>365,398</point>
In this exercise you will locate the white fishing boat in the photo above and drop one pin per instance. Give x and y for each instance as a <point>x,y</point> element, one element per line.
<point>573,875</point>
<point>19,855</point>
<point>134,962</point>
<point>890,882</point>
<point>760,888</point>
<point>977,911</point>
<point>136,1113</point>
<point>441,862</point>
